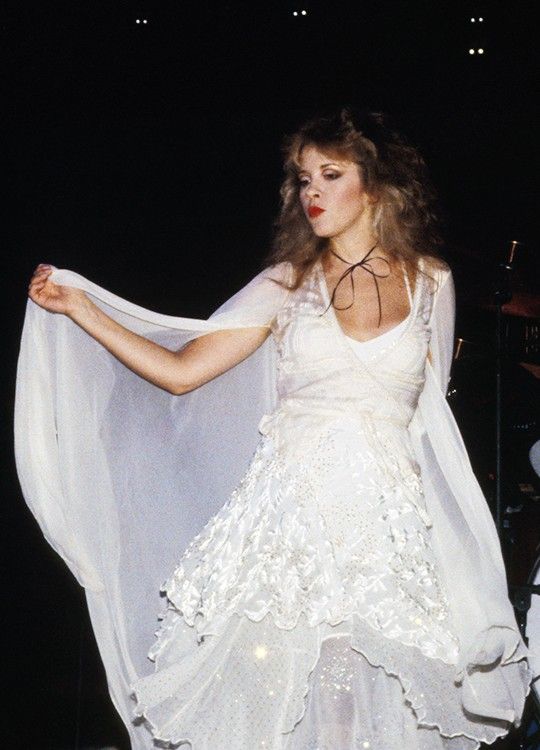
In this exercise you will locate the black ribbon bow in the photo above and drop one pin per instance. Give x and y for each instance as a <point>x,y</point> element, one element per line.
<point>365,265</point>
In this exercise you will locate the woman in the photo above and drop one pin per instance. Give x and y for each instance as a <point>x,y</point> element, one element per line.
<point>351,592</point>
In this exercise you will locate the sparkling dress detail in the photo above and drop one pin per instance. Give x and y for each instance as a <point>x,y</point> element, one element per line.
<point>308,614</point>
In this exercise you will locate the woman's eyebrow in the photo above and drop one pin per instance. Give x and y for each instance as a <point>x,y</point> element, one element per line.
<point>331,164</point>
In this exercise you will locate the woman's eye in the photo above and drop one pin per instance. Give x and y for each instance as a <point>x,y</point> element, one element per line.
<point>304,181</point>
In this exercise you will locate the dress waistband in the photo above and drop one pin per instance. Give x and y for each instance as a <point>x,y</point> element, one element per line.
<point>290,407</point>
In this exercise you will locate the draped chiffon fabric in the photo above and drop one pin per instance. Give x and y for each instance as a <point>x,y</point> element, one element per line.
<point>307,519</point>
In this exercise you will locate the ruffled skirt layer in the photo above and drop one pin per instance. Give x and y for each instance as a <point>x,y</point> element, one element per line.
<point>308,614</point>
<point>325,688</point>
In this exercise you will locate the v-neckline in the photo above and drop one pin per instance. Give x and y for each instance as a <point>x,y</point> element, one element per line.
<point>413,296</point>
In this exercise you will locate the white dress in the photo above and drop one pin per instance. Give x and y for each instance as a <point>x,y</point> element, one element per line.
<point>308,614</point>
<point>350,593</point>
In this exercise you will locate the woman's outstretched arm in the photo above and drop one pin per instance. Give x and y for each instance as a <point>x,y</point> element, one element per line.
<point>177,372</point>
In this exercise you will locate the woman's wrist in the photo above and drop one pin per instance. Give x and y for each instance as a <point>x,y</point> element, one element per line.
<point>81,308</point>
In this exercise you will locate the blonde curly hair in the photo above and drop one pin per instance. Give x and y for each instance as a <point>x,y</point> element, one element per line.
<point>394,174</point>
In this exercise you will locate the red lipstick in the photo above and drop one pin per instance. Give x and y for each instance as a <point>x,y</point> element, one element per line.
<point>314,211</point>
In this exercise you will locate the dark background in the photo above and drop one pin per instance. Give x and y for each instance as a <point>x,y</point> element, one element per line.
<point>147,158</point>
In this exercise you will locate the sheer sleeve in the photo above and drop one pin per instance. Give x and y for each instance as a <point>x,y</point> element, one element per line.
<point>442,324</point>
<point>257,303</point>
<point>492,659</point>
<point>121,475</point>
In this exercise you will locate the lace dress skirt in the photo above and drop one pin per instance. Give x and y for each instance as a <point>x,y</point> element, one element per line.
<point>308,613</point>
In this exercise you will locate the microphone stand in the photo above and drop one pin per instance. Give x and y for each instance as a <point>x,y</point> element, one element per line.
<point>503,294</point>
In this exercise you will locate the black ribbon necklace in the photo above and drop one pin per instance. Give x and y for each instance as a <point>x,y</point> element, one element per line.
<point>365,265</point>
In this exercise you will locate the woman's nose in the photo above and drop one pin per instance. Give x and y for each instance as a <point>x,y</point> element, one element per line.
<point>312,190</point>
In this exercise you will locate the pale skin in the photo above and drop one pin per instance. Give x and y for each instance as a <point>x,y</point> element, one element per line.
<point>335,186</point>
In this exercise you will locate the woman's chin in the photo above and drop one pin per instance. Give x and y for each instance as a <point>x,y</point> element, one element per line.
<point>320,232</point>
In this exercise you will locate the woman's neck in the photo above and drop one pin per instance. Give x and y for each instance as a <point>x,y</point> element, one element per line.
<point>339,252</point>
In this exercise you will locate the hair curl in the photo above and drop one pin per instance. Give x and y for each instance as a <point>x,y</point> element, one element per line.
<point>393,173</point>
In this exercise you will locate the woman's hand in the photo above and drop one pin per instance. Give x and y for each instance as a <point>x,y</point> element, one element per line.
<point>53,297</point>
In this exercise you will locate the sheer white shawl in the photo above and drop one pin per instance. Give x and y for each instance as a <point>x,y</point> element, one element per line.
<point>120,475</point>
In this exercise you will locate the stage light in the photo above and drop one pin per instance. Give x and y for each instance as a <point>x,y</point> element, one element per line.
<point>480,51</point>
<point>471,52</point>
<point>480,20</point>
<point>473,20</point>
<point>138,20</point>
<point>304,12</point>
<point>295,12</point>
<point>145,21</point>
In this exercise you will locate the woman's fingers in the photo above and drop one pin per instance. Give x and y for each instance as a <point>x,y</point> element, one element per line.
<point>40,277</point>
<point>42,268</point>
<point>36,287</point>
<point>38,282</point>
<point>42,271</point>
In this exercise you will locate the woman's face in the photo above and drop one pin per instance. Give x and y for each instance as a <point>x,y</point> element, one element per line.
<point>336,187</point>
